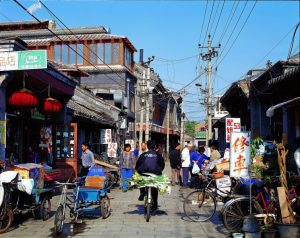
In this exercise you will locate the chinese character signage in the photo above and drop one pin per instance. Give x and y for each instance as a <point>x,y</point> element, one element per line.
<point>239,154</point>
<point>106,136</point>
<point>22,60</point>
<point>232,125</point>
<point>112,150</point>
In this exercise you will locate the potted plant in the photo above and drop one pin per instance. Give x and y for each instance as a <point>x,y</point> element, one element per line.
<point>268,231</point>
<point>257,151</point>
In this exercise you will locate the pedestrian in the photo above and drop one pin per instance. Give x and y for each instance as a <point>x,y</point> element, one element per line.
<point>150,162</point>
<point>136,150</point>
<point>198,157</point>
<point>144,148</point>
<point>175,162</point>
<point>87,159</point>
<point>185,163</point>
<point>215,154</point>
<point>127,164</point>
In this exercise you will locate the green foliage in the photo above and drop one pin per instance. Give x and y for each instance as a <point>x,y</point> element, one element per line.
<point>255,143</point>
<point>190,127</point>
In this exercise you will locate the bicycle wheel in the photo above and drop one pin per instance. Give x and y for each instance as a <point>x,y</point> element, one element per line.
<point>105,207</point>
<point>148,202</point>
<point>6,219</point>
<point>199,205</point>
<point>59,219</point>
<point>234,213</point>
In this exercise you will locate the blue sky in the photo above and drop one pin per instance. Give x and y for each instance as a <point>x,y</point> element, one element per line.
<point>170,30</point>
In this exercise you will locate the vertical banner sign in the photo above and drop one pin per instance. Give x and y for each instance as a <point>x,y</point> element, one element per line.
<point>106,136</point>
<point>112,150</point>
<point>232,125</point>
<point>239,154</point>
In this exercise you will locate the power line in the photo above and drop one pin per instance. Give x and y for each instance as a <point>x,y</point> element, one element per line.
<point>218,20</point>
<point>224,47</point>
<point>6,17</point>
<point>238,33</point>
<point>203,21</point>
<point>211,11</point>
<point>229,19</point>
<point>176,60</point>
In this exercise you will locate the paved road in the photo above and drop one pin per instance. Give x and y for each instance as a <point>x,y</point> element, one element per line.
<point>126,220</point>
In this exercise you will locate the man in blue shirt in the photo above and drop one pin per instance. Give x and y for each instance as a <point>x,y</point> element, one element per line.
<point>198,158</point>
<point>87,159</point>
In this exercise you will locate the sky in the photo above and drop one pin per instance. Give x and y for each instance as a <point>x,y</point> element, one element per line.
<point>250,33</point>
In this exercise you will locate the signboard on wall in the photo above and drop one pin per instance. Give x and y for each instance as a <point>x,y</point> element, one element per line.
<point>106,136</point>
<point>232,125</point>
<point>239,154</point>
<point>65,142</point>
<point>23,60</point>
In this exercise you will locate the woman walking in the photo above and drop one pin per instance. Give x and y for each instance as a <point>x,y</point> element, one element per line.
<point>127,164</point>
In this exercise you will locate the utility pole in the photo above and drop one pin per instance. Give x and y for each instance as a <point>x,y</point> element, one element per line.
<point>182,126</point>
<point>142,96</point>
<point>147,106</point>
<point>147,94</point>
<point>212,53</point>
<point>168,127</point>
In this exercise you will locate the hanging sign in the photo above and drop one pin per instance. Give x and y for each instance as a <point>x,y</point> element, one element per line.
<point>232,125</point>
<point>23,60</point>
<point>112,150</point>
<point>239,154</point>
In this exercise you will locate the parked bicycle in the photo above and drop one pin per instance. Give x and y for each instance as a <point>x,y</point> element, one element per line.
<point>200,205</point>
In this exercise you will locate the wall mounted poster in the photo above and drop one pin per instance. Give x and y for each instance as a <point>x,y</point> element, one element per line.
<point>65,142</point>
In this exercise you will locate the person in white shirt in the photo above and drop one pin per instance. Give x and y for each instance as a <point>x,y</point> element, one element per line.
<point>185,163</point>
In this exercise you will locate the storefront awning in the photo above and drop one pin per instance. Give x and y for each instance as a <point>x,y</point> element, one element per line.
<point>82,111</point>
<point>270,111</point>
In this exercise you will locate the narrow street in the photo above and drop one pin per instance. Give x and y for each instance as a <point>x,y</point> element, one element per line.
<point>126,220</point>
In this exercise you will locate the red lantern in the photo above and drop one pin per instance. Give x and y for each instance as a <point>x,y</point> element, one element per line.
<point>51,105</point>
<point>23,99</point>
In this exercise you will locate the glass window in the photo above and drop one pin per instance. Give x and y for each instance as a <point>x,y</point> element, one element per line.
<point>93,53</point>
<point>100,53</point>
<point>127,57</point>
<point>57,53</point>
<point>108,53</point>
<point>65,54</point>
<point>80,53</point>
<point>72,59</point>
<point>115,53</point>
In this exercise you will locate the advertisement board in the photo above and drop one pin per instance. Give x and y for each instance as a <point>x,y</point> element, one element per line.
<point>232,125</point>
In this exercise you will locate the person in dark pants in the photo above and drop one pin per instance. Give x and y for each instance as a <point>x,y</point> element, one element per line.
<point>150,162</point>
<point>175,162</point>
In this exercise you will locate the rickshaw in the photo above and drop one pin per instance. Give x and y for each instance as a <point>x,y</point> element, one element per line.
<point>81,199</point>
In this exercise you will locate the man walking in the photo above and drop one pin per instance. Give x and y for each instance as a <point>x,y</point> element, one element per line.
<point>185,158</point>
<point>87,159</point>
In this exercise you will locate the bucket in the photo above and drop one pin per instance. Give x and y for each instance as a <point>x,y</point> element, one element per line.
<point>253,234</point>
<point>237,235</point>
<point>270,233</point>
<point>288,230</point>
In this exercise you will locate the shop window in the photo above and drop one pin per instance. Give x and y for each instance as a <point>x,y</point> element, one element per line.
<point>57,53</point>
<point>100,53</point>
<point>65,54</point>
<point>72,59</point>
<point>80,54</point>
<point>108,53</point>
<point>93,54</point>
<point>115,53</point>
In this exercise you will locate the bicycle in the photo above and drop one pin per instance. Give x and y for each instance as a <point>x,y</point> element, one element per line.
<point>200,205</point>
<point>148,197</point>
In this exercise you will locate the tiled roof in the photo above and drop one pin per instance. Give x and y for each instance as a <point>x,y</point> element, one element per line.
<point>289,73</point>
<point>83,111</point>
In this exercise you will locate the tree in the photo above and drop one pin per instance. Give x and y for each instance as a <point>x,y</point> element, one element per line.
<point>190,127</point>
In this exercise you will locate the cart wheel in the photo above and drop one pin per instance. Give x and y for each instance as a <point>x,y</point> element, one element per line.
<point>6,219</point>
<point>59,219</point>
<point>105,207</point>
<point>45,209</point>
<point>110,180</point>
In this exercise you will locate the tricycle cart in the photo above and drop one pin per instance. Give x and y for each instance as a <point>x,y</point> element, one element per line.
<point>81,199</point>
